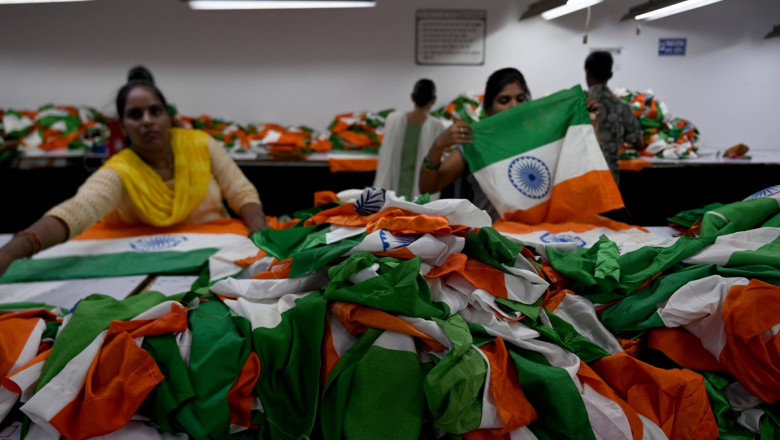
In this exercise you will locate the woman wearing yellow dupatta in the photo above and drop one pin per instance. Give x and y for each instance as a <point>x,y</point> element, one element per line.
<point>169,176</point>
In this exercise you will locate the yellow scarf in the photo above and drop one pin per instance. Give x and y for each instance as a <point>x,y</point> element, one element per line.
<point>192,174</point>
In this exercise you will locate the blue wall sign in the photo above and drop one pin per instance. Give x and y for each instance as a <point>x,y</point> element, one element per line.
<point>671,46</point>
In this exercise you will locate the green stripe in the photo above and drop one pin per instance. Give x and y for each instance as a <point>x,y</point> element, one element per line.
<point>93,315</point>
<point>107,265</point>
<point>767,254</point>
<point>526,127</point>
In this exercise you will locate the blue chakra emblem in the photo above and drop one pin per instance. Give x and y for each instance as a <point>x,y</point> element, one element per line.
<point>157,243</point>
<point>549,237</point>
<point>370,201</point>
<point>530,176</point>
<point>391,241</point>
<point>768,192</point>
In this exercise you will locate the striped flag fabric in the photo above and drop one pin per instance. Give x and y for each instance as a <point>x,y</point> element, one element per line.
<point>541,161</point>
<point>120,250</point>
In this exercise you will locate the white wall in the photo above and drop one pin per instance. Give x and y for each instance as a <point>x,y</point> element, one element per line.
<point>304,67</point>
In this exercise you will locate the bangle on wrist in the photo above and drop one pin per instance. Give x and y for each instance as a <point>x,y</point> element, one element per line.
<point>33,238</point>
<point>428,165</point>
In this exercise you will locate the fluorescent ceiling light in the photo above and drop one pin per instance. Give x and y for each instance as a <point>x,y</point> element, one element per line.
<point>21,2</point>
<point>569,7</point>
<point>278,4</point>
<point>653,10</point>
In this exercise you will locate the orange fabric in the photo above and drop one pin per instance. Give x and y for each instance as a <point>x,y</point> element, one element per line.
<point>401,253</point>
<point>675,400</point>
<point>276,271</point>
<point>363,164</point>
<point>750,355</point>
<point>630,346</point>
<point>358,318</point>
<point>246,262</point>
<point>16,329</point>
<point>8,382</point>
<point>172,322</point>
<point>274,223</point>
<point>512,406</point>
<point>589,377</point>
<point>329,354</point>
<point>241,396</point>
<point>684,348</point>
<point>634,164</point>
<point>342,215</point>
<point>592,193</point>
<point>481,275</point>
<point>323,197</point>
<point>414,224</point>
<point>103,231</point>
<point>552,299</point>
<point>573,225</point>
<point>118,381</point>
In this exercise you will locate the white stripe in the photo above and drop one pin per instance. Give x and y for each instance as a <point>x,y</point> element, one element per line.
<point>457,211</point>
<point>698,307</point>
<point>222,264</point>
<point>31,345</point>
<point>650,430</point>
<point>145,244</point>
<point>606,417</point>
<point>512,332</point>
<point>430,328</point>
<point>157,311</point>
<point>581,314</point>
<point>490,418</point>
<point>27,380</point>
<point>63,388</point>
<point>720,252</point>
<point>338,233</point>
<point>570,157</point>
<point>7,401</point>
<point>739,398</point>
<point>267,314</point>
<point>395,341</point>
<point>343,340</point>
<point>265,290</point>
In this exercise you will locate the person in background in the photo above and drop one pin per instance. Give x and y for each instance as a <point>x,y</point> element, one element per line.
<point>616,122</point>
<point>407,137</point>
<point>505,89</point>
<point>168,176</point>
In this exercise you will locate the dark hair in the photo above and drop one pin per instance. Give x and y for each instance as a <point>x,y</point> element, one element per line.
<point>599,65</point>
<point>498,80</point>
<point>424,91</point>
<point>140,73</point>
<point>121,96</point>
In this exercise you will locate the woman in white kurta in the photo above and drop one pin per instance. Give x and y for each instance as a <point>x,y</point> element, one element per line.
<point>407,138</point>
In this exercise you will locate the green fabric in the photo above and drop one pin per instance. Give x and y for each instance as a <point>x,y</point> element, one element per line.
<point>593,270</point>
<point>565,335</point>
<point>692,216</point>
<point>553,394</point>
<point>408,165</point>
<point>453,387</point>
<point>284,243</point>
<point>725,416</point>
<point>768,254</point>
<point>107,265</point>
<point>511,306</point>
<point>491,247</point>
<point>221,342</point>
<point>290,359</point>
<point>738,216</point>
<point>506,134</point>
<point>92,316</point>
<point>309,260</point>
<point>399,288</point>
<point>638,311</point>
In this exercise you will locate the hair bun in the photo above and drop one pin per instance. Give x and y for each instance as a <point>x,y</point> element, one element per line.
<point>140,73</point>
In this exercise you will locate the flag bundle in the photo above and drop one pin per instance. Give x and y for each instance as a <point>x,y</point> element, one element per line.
<point>378,318</point>
<point>54,128</point>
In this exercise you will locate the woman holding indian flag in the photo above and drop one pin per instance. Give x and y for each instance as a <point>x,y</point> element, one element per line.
<point>168,176</point>
<point>539,162</point>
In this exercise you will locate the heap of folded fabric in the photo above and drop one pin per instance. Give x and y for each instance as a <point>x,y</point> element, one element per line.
<point>467,107</point>
<point>55,128</point>
<point>665,136</point>
<point>372,317</point>
<point>356,131</point>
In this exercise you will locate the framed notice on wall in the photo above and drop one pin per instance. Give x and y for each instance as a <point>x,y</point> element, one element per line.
<point>451,37</point>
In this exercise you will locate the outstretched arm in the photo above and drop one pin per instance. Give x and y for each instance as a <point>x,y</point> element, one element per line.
<point>42,234</point>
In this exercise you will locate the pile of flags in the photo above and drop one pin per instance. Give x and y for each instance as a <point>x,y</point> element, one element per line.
<point>372,317</point>
<point>466,107</point>
<point>55,128</point>
<point>665,136</point>
<point>357,131</point>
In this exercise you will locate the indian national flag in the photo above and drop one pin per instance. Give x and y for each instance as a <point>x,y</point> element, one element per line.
<point>541,161</point>
<point>111,250</point>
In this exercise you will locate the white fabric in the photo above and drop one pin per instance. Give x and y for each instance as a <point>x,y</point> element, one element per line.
<point>387,169</point>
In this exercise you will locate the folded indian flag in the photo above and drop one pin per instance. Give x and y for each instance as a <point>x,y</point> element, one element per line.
<point>121,250</point>
<point>541,161</point>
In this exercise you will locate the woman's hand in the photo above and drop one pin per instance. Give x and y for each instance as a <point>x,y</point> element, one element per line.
<point>253,215</point>
<point>457,133</point>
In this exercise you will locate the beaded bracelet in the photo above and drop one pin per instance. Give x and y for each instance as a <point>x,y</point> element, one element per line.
<point>33,237</point>
<point>428,165</point>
